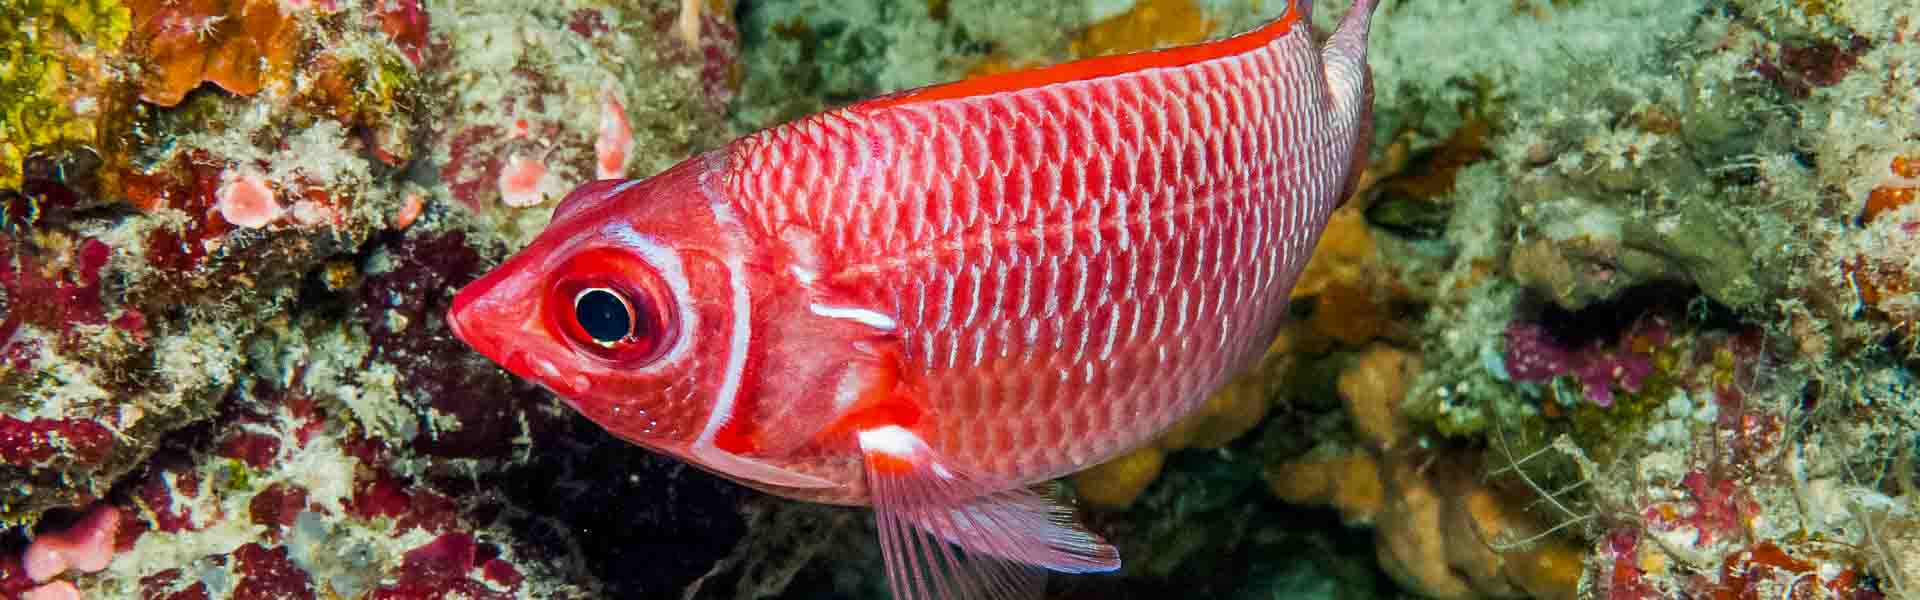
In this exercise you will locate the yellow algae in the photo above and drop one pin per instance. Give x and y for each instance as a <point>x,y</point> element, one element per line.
<point>1349,483</point>
<point>1148,25</point>
<point>1549,571</point>
<point>53,71</point>
<point>1117,483</point>
<point>1352,290</point>
<point>1233,411</point>
<point>1307,481</point>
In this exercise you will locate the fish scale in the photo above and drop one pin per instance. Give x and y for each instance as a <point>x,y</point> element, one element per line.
<point>1216,171</point>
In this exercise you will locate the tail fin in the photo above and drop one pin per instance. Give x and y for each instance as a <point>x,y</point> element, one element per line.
<point>1351,82</point>
<point>1346,56</point>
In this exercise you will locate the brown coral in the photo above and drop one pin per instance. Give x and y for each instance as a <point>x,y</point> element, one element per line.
<point>1347,282</point>
<point>1439,529</point>
<point>1881,270</point>
<point>1350,483</point>
<point>242,46</point>
<point>1372,389</point>
<point>1900,190</point>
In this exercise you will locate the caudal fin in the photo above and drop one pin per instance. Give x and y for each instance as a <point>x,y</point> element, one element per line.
<point>1351,82</point>
<point>1346,58</point>
<point>944,536</point>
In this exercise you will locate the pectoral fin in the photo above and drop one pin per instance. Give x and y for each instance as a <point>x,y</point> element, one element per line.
<point>825,374</point>
<point>948,535</point>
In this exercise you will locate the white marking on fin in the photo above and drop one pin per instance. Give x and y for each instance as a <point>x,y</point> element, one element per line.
<point>947,535</point>
<point>847,392</point>
<point>891,440</point>
<point>546,369</point>
<point>803,275</point>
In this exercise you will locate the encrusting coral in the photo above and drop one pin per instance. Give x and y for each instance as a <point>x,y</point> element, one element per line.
<point>240,45</point>
<point>223,269</point>
<point>1441,529</point>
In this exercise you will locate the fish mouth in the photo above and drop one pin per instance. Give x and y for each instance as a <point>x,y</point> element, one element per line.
<point>530,366</point>
<point>470,323</point>
<point>495,328</point>
<point>499,332</point>
<point>457,321</point>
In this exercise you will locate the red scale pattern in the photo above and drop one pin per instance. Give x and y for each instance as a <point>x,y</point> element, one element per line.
<point>1073,265</point>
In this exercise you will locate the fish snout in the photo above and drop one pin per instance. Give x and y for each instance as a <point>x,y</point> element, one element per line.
<point>500,319</point>
<point>457,320</point>
<point>488,311</point>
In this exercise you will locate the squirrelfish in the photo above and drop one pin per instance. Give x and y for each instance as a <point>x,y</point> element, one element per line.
<point>931,301</point>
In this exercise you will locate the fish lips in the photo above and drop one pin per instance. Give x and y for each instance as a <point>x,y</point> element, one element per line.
<point>498,316</point>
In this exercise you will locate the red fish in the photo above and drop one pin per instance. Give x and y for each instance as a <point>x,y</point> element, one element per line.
<point>930,301</point>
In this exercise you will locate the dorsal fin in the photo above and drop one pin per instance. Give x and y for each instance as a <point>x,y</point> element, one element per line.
<point>590,195</point>
<point>697,175</point>
<point>1104,66</point>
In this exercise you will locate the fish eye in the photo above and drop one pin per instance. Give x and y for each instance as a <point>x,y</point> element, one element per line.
<point>612,319</point>
<point>604,314</point>
<point>608,306</point>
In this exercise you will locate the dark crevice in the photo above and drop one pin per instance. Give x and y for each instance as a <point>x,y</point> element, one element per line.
<point>1601,323</point>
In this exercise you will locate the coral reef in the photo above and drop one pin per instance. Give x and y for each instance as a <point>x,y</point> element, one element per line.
<point>242,46</point>
<point>1648,303</point>
<point>231,231</point>
<point>1440,529</point>
<point>1626,306</point>
<point>831,52</point>
<point>541,97</point>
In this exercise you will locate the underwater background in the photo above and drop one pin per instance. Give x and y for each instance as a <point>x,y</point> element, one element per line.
<point>1625,307</point>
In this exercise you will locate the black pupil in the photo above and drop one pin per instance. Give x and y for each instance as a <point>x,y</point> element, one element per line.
<point>604,316</point>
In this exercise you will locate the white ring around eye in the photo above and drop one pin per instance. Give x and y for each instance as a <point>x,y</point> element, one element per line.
<point>665,262</point>
<point>632,321</point>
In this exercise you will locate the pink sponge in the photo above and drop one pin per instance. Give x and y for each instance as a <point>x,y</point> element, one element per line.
<point>58,590</point>
<point>87,546</point>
